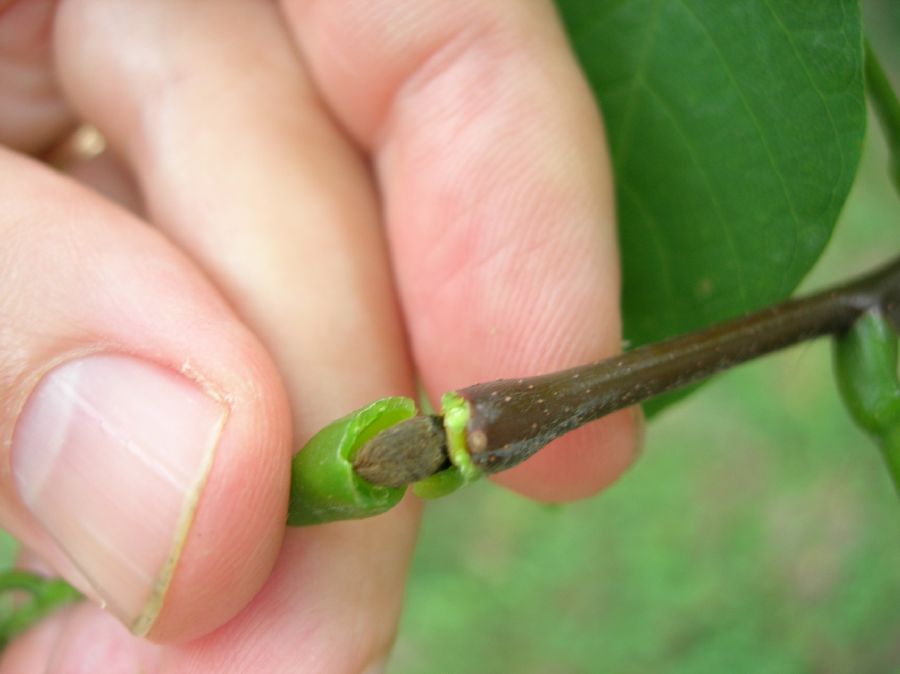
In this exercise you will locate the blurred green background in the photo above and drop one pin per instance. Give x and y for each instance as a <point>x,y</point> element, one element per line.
<point>759,531</point>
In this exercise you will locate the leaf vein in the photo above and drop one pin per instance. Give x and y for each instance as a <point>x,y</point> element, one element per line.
<point>752,114</point>
<point>639,80</point>
<point>703,171</point>
<point>654,228</point>
<point>820,94</point>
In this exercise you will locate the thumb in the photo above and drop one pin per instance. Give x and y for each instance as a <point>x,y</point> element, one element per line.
<point>144,432</point>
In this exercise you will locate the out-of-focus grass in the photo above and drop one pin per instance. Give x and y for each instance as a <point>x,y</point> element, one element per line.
<point>759,532</point>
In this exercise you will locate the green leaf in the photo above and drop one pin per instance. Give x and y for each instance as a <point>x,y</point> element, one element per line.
<point>735,129</point>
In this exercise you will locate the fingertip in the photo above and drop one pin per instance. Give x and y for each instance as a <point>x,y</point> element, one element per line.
<point>147,429</point>
<point>239,522</point>
<point>582,463</point>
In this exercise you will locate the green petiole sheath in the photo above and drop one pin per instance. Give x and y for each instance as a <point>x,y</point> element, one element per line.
<point>865,364</point>
<point>325,487</point>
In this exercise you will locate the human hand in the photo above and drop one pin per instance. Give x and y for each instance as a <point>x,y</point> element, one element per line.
<point>338,194</point>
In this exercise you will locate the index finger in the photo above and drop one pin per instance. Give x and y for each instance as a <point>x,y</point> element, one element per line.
<point>490,155</point>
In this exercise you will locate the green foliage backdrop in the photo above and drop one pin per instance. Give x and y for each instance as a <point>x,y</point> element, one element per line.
<point>735,129</point>
<point>759,531</point>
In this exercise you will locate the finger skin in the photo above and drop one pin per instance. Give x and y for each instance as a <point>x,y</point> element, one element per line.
<point>33,114</point>
<point>497,189</point>
<point>264,638</point>
<point>242,166</point>
<point>82,277</point>
<point>85,157</point>
<point>106,175</point>
<point>80,639</point>
<point>29,652</point>
<point>57,643</point>
<point>174,104</point>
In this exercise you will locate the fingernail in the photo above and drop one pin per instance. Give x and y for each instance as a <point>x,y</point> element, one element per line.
<point>110,454</point>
